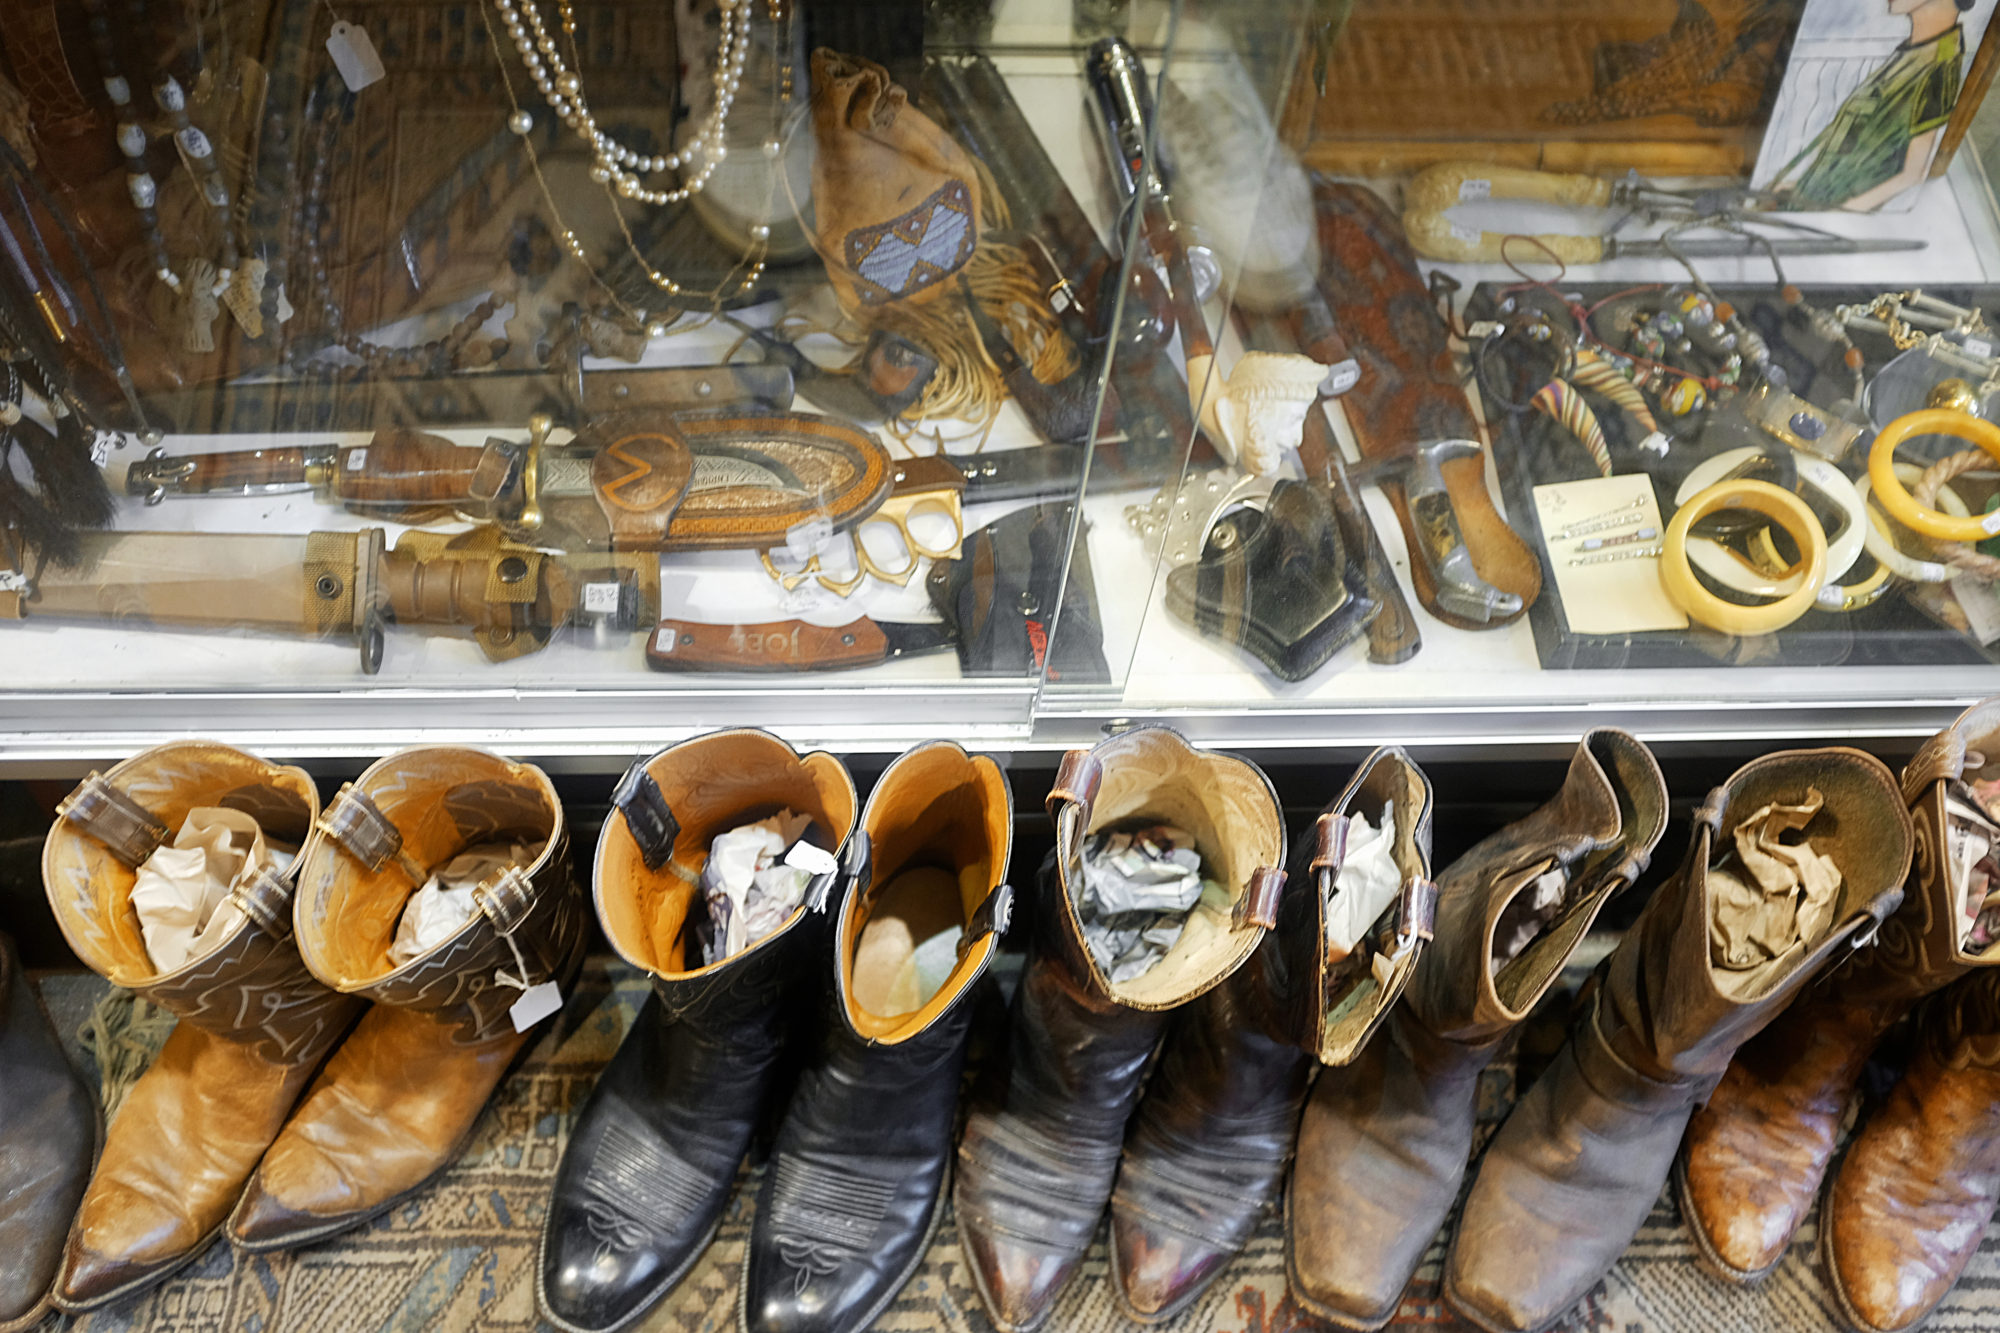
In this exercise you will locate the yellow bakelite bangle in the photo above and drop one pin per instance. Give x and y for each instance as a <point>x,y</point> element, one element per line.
<point>1789,512</point>
<point>1902,506</point>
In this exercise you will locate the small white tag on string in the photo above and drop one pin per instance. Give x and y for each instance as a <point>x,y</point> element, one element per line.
<point>535,1004</point>
<point>354,56</point>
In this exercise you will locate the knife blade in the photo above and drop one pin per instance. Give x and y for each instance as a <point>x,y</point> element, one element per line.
<point>790,645</point>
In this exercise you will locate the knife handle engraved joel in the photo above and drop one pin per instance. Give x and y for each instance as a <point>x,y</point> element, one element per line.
<point>778,645</point>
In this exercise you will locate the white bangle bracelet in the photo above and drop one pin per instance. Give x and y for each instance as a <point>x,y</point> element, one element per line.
<point>1891,556</point>
<point>1843,547</point>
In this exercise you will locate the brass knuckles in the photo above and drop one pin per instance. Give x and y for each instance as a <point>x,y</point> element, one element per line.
<point>896,511</point>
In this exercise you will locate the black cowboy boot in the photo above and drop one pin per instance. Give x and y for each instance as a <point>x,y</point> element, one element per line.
<point>854,1188</point>
<point>646,1175</point>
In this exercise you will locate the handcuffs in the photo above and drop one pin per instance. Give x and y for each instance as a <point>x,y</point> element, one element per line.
<point>1791,513</point>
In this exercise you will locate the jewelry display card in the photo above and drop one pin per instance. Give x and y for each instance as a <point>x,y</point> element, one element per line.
<point>1607,568</point>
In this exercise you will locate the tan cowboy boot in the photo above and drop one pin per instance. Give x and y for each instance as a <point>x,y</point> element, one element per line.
<point>1041,1146</point>
<point>1384,1143</point>
<point>1918,1185</point>
<point>1209,1144</point>
<point>398,1101</point>
<point>1581,1159</point>
<point>255,1023</point>
<point>1756,1155</point>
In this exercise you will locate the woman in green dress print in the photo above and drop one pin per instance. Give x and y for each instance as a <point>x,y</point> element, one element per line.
<point>1881,140</point>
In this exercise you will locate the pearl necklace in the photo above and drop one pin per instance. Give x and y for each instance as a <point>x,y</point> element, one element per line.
<point>616,164</point>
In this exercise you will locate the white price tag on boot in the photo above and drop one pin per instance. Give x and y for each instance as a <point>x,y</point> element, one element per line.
<point>354,56</point>
<point>535,1004</point>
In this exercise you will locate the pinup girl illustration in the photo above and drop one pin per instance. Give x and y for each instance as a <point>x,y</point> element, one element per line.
<point>1881,140</point>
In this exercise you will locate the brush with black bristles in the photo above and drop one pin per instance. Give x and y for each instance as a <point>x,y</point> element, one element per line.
<point>50,487</point>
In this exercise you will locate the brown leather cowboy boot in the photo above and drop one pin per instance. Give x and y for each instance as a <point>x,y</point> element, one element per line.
<point>196,1123</point>
<point>1041,1145</point>
<point>1756,1155</point>
<point>1920,1180</point>
<point>1581,1159</point>
<point>398,1101</point>
<point>1384,1142</point>
<point>1212,1135</point>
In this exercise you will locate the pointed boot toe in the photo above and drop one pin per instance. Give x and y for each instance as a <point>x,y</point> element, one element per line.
<point>1161,1272</point>
<point>263,1223</point>
<point>90,1281</point>
<point>1018,1279</point>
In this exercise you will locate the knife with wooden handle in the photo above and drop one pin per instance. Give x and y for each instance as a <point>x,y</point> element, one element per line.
<point>789,645</point>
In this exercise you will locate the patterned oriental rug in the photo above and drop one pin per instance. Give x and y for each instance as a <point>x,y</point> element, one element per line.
<point>462,1255</point>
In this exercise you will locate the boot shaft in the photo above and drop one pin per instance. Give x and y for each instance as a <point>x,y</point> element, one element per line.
<point>1152,775</point>
<point>1291,989</point>
<point>667,812</point>
<point>1596,834</point>
<point>937,837</point>
<point>382,837</point>
<point>1921,946</point>
<point>1665,1009</point>
<point>114,821</point>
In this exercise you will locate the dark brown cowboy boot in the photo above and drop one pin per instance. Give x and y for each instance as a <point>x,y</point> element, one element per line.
<point>1581,1159</point>
<point>1756,1156</point>
<point>1384,1142</point>
<point>1919,1182</point>
<point>1210,1141</point>
<point>855,1185</point>
<point>654,1153</point>
<point>48,1133</point>
<point>398,1101</point>
<point>255,1022</point>
<point>1041,1145</point>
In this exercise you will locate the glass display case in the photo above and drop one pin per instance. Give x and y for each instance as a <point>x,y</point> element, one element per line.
<point>545,373</point>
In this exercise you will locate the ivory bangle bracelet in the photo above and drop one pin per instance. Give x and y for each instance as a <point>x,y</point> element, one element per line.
<point>1900,504</point>
<point>1881,542</point>
<point>1843,545</point>
<point>1789,511</point>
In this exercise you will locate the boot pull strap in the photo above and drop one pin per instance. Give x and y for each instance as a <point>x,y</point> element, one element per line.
<point>1710,813</point>
<point>360,828</point>
<point>1940,757</point>
<point>1416,912</point>
<point>506,899</point>
<point>127,829</point>
<point>266,898</point>
<point>856,866</point>
<point>1259,904</point>
<point>647,817</point>
<point>1077,780</point>
<point>1329,848</point>
<point>992,918</point>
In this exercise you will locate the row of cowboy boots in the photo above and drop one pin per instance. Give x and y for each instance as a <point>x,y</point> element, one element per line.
<point>1920,1179</point>
<point>1565,1183</point>
<point>311,1083</point>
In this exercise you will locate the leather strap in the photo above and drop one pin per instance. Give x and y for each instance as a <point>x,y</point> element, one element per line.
<point>647,818</point>
<point>1942,757</point>
<point>1329,842</point>
<point>992,918</point>
<point>358,825</point>
<point>1710,813</point>
<point>1416,910</point>
<point>266,898</point>
<point>857,867</point>
<point>1259,904</point>
<point>1618,1082</point>
<point>1077,780</point>
<point>127,829</point>
<point>506,899</point>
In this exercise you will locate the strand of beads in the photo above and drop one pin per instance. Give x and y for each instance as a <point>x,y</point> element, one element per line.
<point>615,163</point>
